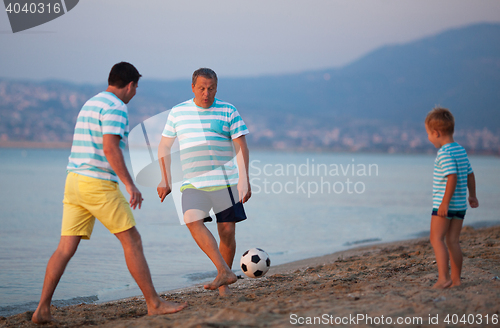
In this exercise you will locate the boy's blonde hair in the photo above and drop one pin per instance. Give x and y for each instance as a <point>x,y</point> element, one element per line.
<point>441,119</point>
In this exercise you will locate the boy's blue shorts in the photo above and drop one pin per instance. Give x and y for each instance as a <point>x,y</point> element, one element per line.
<point>451,214</point>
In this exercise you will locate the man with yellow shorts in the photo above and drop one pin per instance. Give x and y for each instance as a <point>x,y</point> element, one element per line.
<point>95,164</point>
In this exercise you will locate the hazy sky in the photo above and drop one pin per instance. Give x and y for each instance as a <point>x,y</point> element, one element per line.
<point>169,40</point>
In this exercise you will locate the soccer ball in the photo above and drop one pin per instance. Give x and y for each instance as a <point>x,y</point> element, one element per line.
<point>255,263</point>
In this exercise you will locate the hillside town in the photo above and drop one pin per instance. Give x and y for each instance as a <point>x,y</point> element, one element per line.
<point>45,114</point>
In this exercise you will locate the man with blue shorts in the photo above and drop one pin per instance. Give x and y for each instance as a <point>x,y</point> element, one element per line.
<point>91,191</point>
<point>208,129</point>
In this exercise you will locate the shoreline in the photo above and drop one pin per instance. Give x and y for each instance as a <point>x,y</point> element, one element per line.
<point>67,145</point>
<point>387,279</point>
<point>274,269</point>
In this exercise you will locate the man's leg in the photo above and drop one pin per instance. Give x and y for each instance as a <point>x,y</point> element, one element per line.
<point>227,247</point>
<point>138,267</point>
<point>55,269</point>
<point>208,244</point>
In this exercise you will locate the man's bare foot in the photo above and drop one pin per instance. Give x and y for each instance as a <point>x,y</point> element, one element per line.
<point>224,291</point>
<point>227,278</point>
<point>41,316</point>
<point>442,284</point>
<point>455,284</point>
<point>165,307</point>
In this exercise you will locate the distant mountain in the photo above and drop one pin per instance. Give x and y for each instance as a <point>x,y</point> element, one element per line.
<point>40,111</point>
<point>458,69</point>
<point>375,103</point>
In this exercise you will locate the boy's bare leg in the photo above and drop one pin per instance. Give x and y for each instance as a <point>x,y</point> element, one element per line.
<point>453,243</point>
<point>138,267</point>
<point>55,269</point>
<point>208,244</point>
<point>439,229</point>
<point>227,248</point>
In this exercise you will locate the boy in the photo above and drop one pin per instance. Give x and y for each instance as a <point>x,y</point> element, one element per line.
<point>452,176</point>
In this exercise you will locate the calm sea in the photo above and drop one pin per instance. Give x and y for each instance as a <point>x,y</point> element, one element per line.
<point>303,205</point>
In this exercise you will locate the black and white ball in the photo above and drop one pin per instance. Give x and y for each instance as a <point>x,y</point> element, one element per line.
<point>255,263</point>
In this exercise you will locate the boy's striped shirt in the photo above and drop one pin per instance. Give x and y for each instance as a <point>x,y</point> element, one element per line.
<point>205,140</point>
<point>100,115</point>
<point>451,159</point>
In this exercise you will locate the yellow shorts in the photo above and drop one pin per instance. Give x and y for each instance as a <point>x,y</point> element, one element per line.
<point>86,199</point>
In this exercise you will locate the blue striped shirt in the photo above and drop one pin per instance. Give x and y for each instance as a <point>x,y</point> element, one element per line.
<point>451,159</point>
<point>100,115</point>
<point>205,140</point>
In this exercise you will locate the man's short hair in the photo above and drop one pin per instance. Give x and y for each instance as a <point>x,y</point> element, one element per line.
<point>206,73</point>
<point>441,119</point>
<point>122,74</point>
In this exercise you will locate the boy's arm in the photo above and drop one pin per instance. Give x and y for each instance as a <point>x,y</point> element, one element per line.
<point>451,184</point>
<point>471,185</point>
<point>164,188</point>
<point>243,158</point>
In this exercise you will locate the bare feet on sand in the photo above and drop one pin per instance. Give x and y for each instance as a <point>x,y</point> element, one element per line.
<point>455,284</point>
<point>222,279</point>
<point>165,307</point>
<point>41,316</point>
<point>442,284</point>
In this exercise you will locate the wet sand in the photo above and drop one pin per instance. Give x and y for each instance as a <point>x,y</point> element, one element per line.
<point>386,282</point>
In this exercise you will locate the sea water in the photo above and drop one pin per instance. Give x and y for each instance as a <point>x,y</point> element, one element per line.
<point>303,205</point>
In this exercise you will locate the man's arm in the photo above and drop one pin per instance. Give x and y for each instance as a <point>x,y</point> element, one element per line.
<point>451,185</point>
<point>114,155</point>
<point>243,158</point>
<point>471,185</point>
<point>165,186</point>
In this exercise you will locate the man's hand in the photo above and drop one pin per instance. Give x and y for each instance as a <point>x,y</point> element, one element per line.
<point>163,190</point>
<point>135,196</point>
<point>114,155</point>
<point>165,187</point>
<point>244,190</point>
<point>473,202</point>
<point>242,158</point>
<point>443,210</point>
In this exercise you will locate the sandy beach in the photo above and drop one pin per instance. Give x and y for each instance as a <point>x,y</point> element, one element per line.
<point>381,285</point>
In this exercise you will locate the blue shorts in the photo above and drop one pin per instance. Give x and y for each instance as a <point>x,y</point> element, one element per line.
<point>223,202</point>
<point>460,215</point>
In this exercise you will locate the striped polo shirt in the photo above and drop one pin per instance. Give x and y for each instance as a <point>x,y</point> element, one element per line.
<point>451,159</point>
<point>205,141</point>
<point>100,115</point>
